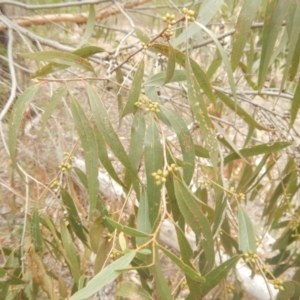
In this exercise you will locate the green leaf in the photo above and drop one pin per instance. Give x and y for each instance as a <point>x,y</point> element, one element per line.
<point>72,257</point>
<point>295,61</point>
<point>102,254</point>
<point>53,67</point>
<point>246,232</point>
<point>104,158</point>
<point>257,150</point>
<point>153,162</point>
<point>62,58</point>
<point>110,136</point>
<point>295,105</point>
<point>130,290</point>
<point>288,292</point>
<point>185,140</point>
<point>200,110</point>
<point>161,287</point>
<point>56,97</point>
<point>36,231</point>
<point>196,219</point>
<point>185,248</point>
<point>141,35</point>
<point>95,233</point>
<point>239,111</point>
<point>224,57</point>
<point>106,276</point>
<point>73,215</point>
<point>16,119</point>
<point>171,65</point>
<point>207,10</point>
<point>199,73</point>
<point>143,223</point>
<point>201,151</point>
<point>274,16</point>
<point>138,129</point>
<point>135,90</point>
<point>214,277</point>
<point>159,78</point>
<point>243,26</point>
<point>89,25</point>
<point>293,37</point>
<point>89,144</point>
<point>189,271</point>
<point>130,231</point>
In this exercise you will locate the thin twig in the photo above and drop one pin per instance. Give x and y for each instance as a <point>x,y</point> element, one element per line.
<point>52,6</point>
<point>13,78</point>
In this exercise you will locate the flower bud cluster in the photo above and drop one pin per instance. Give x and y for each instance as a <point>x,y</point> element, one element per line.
<point>67,164</point>
<point>189,14</point>
<point>169,18</point>
<point>161,176</point>
<point>146,46</point>
<point>149,105</point>
<point>250,257</point>
<point>55,184</point>
<point>278,284</point>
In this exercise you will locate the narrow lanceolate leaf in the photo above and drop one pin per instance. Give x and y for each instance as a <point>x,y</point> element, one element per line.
<point>214,277</point>
<point>207,10</point>
<point>110,136</point>
<point>106,276</point>
<point>293,37</point>
<point>71,253</point>
<point>188,270</point>
<point>130,290</point>
<point>257,150</point>
<point>246,232</point>
<point>73,215</point>
<point>295,61</point>
<point>62,58</point>
<point>199,73</point>
<point>135,90</point>
<point>36,231</point>
<point>224,57</point>
<point>138,130</point>
<point>141,35</point>
<point>153,162</point>
<point>199,109</point>
<point>239,111</point>
<point>274,16</point>
<point>159,78</point>
<point>89,25</point>
<point>243,26</point>
<point>38,270</point>
<point>89,144</point>
<point>196,219</point>
<point>171,65</point>
<point>185,140</point>
<point>53,67</point>
<point>136,147</point>
<point>55,99</point>
<point>186,250</point>
<point>162,290</point>
<point>16,119</point>
<point>295,105</point>
<point>130,231</point>
<point>142,222</point>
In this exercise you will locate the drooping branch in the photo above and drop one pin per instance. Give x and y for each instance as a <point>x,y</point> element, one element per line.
<point>70,18</point>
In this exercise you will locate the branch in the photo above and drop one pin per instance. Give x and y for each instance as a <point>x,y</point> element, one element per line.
<point>70,18</point>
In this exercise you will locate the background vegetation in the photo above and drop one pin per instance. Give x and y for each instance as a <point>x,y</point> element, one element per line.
<point>150,150</point>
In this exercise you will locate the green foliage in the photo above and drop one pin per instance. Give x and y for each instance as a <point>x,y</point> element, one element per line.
<point>187,147</point>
